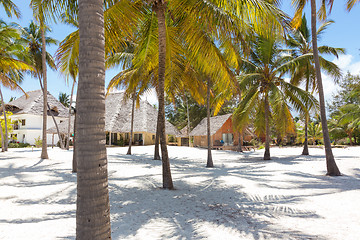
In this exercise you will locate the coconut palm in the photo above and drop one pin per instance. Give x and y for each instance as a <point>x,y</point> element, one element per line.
<point>93,207</point>
<point>11,68</point>
<point>301,42</point>
<point>10,8</point>
<point>267,96</point>
<point>64,99</point>
<point>332,169</point>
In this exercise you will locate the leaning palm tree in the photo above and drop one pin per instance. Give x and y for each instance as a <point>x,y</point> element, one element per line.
<point>332,169</point>
<point>300,41</point>
<point>267,96</point>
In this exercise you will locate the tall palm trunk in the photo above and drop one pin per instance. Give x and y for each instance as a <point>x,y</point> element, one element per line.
<point>1,132</point>
<point>160,12</point>
<point>306,144</point>
<point>157,141</point>
<point>188,118</point>
<point>74,161</point>
<point>44,154</point>
<point>69,123</point>
<point>267,129</point>
<point>53,118</point>
<point>93,205</point>
<point>332,168</point>
<point>6,141</point>
<point>132,124</point>
<point>209,162</point>
<point>240,142</point>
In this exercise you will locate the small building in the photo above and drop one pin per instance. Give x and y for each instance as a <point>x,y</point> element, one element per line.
<point>118,122</point>
<point>221,131</point>
<point>183,139</point>
<point>27,116</point>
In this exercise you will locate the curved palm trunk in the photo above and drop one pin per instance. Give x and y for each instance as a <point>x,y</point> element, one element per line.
<point>44,154</point>
<point>160,12</point>
<point>132,124</point>
<point>332,168</point>
<point>6,139</point>
<point>69,123</point>
<point>267,129</point>
<point>93,205</point>
<point>209,162</point>
<point>157,141</point>
<point>53,118</point>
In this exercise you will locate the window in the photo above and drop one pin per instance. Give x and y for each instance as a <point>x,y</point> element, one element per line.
<point>16,125</point>
<point>153,137</point>
<point>227,138</point>
<point>126,136</point>
<point>23,121</point>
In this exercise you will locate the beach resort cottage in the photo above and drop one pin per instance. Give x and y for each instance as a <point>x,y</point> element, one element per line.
<point>222,133</point>
<point>118,122</point>
<point>27,116</point>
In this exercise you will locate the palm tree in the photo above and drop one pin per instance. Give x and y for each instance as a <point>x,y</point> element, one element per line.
<point>301,42</point>
<point>11,68</point>
<point>64,99</point>
<point>209,162</point>
<point>93,207</point>
<point>332,169</point>
<point>267,96</point>
<point>350,4</point>
<point>10,8</point>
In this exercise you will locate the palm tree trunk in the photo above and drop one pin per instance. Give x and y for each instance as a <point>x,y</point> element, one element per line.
<point>350,139</point>
<point>240,142</point>
<point>160,12</point>
<point>188,119</point>
<point>53,118</point>
<point>74,161</point>
<point>1,132</point>
<point>132,124</point>
<point>209,162</point>
<point>332,169</point>
<point>44,154</point>
<point>69,123</point>
<point>93,205</point>
<point>6,141</point>
<point>306,144</point>
<point>157,141</point>
<point>267,129</point>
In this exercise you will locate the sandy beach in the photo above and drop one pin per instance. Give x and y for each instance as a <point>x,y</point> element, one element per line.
<point>242,197</point>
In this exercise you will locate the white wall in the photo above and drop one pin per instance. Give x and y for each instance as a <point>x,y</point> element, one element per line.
<point>33,128</point>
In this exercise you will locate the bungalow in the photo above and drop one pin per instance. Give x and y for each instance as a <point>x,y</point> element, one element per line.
<point>118,122</point>
<point>221,131</point>
<point>27,116</point>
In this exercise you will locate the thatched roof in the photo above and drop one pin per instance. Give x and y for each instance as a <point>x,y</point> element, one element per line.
<point>63,127</point>
<point>215,124</point>
<point>184,132</point>
<point>34,105</point>
<point>118,117</point>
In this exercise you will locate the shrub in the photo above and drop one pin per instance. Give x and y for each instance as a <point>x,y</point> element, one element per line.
<point>18,145</point>
<point>38,142</point>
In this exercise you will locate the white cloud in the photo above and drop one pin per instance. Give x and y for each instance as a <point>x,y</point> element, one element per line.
<point>150,96</point>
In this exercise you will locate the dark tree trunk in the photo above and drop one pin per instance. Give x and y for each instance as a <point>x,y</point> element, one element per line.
<point>157,141</point>
<point>44,154</point>
<point>69,123</point>
<point>92,205</point>
<point>1,132</point>
<point>267,129</point>
<point>350,139</point>
<point>306,144</point>
<point>240,142</point>
<point>5,138</point>
<point>160,12</point>
<point>132,123</point>
<point>209,162</point>
<point>332,169</point>
<point>74,161</point>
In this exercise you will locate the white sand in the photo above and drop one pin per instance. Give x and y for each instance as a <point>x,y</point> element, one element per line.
<point>243,197</point>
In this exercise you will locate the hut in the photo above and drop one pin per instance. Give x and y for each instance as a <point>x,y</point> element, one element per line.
<point>183,138</point>
<point>27,116</point>
<point>118,122</point>
<point>222,133</point>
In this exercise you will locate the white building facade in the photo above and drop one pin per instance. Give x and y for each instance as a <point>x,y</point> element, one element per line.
<point>27,117</point>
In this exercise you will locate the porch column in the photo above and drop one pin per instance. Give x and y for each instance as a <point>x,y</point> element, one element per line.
<point>109,138</point>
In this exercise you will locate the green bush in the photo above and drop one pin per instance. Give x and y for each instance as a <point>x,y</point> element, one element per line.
<point>18,145</point>
<point>38,142</point>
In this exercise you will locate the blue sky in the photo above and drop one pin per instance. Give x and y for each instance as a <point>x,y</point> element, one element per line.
<point>345,33</point>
